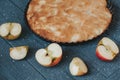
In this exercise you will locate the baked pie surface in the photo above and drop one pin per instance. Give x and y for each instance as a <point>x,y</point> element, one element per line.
<point>68,21</point>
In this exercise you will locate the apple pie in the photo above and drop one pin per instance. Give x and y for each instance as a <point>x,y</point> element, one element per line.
<point>68,21</point>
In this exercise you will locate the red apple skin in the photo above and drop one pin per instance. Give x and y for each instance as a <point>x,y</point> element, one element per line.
<point>101,57</point>
<point>56,61</point>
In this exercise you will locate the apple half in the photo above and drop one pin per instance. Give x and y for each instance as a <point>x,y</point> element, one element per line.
<point>49,56</point>
<point>10,31</point>
<point>107,49</point>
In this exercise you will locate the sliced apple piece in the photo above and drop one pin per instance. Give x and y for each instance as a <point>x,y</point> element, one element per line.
<point>18,53</point>
<point>107,49</point>
<point>10,31</point>
<point>78,67</point>
<point>49,56</point>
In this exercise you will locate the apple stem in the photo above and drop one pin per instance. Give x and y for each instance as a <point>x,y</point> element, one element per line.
<point>46,54</point>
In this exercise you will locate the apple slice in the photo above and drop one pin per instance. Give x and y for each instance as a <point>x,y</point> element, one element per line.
<point>78,67</point>
<point>10,31</point>
<point>107,49</point>
<point>49,56</point>
<point>18,53</point>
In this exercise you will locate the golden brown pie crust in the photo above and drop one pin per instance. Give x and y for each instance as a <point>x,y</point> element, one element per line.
<point>68,21</point>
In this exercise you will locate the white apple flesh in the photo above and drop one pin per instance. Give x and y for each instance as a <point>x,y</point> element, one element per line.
<point>10,31</point>
<point>107,49</point>
<point>49,56</point>
<point>78,67</point>
<point>18,53</point>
